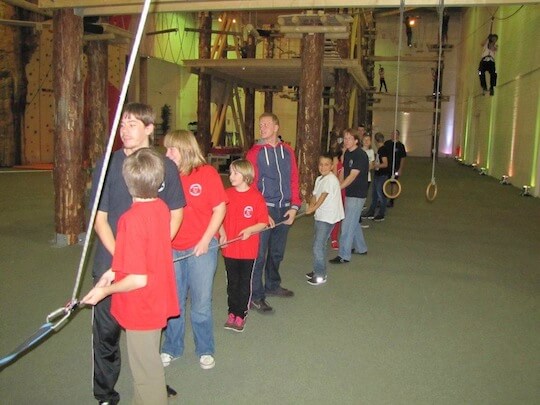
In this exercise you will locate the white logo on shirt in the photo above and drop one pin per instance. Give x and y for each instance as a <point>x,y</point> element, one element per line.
<point>248,211</point>
<point>161,188</point>
<point>195,190</point>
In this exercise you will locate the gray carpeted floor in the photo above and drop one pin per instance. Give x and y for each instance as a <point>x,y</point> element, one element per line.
<point>443,310</point>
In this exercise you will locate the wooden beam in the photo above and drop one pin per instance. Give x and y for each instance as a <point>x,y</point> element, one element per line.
<point>116,7</point>
<point>404,58</point>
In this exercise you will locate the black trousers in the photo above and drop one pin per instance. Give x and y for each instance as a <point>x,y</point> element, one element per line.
<point>239,272</point>
<point>106,345</point>
<point>383,83</point>
<point>487,66</point>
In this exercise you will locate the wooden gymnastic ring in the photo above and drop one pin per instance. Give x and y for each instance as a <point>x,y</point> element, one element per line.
<point>431,191</point>
<point>390,184</point>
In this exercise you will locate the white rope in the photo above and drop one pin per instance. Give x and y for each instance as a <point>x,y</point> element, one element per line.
<point>121,100</point>
<point>437,94</point>
<point>401,9</point>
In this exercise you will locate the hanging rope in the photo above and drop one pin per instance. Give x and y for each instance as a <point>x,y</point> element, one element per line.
<point>57,318</point>
<point>392,187</point>
<point>431,190</point>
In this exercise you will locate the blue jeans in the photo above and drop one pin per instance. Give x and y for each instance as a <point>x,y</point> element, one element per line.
<point>196,275</point>
<point>322,234</point>
<point>351,231</point>
<point>272,244</point>
<point>378,196</point>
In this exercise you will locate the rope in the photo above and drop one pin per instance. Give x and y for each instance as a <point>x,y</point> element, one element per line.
<point>64,313</point>
<point>400,42</point>
<point>437,95</point>
<point>227,242</point>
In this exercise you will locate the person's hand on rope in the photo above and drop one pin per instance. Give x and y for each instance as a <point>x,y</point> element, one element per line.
<point>290,215</point>
<point>271,222</point>
<point>201,247</point>
<point>99,292</point>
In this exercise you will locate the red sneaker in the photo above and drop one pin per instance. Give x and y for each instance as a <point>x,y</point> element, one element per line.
<point>230,322</point>
<point>239,324</point>
<point>335,245</point>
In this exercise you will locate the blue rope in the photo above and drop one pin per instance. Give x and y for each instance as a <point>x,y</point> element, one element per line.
<point>38,336</point>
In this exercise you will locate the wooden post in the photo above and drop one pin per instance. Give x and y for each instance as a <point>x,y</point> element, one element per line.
<point>309,118</point>
<point>68,177</point>
<point>269,95</point>
<point>205,85</point>
<point>325,119</point>
<point>342,90</point>
<point>249,108</point>
<point>96,104</point>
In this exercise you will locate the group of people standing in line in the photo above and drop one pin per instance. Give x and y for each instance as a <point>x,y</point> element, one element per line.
<point>160,222</point>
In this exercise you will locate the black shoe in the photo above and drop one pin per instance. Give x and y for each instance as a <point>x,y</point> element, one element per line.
<point>378,218</point>
<point>261,306</point>
<point>491,91</point>
<point>310,274</point>
<point>280,292</point>
<point>171,393</point>
<point>338,260</point>
<point>367,215</point>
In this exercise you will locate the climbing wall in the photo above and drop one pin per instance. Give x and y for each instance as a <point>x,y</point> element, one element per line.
<point>38,132</point>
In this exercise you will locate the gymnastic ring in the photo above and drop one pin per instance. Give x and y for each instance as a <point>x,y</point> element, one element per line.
<point>390,184</point>
<point>431,191</point>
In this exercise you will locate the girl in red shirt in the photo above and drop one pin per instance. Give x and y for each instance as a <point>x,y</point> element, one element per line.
<point>246,216</point>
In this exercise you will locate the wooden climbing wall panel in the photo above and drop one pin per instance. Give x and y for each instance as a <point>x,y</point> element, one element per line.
<point>38,132</point>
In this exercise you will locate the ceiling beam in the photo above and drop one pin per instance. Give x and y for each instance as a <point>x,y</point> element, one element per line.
<point>118,7</point>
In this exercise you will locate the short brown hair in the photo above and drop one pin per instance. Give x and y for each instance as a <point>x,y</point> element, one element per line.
<point>271,115</point>
<point>245,168</point>
<point>354,133</point>
<point>141,112</point>
<point>144,172</point>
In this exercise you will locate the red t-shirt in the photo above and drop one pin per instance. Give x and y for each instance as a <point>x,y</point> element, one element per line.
<point>143,246</point>
<point>203,190</point>
<point>244,209</point>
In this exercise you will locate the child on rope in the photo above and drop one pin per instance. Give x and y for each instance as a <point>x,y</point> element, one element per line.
<point>487,64</point>
<point>141,279</point>
<point>327,205</point>
<point>246,215</point>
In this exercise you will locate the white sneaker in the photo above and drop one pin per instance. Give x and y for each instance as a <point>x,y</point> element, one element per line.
<point>166,359</point>
<point>207,361</point>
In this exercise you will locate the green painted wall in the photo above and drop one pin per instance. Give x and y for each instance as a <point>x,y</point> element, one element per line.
<point>501,132</point>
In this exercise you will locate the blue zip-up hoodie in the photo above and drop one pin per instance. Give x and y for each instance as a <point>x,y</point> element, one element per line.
<point>276,174</point>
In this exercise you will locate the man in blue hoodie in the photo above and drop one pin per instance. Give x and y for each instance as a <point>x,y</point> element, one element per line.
<point>276,177</point>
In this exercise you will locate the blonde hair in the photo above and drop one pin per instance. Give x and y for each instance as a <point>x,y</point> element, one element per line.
<point>245,168</point>
<point>144,172</point>
<point>185,142</point>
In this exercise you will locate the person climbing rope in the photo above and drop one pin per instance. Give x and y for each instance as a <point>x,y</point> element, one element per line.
<point>487,64</point>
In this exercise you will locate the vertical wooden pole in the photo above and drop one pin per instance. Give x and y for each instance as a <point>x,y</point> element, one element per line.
<point>249,109</point>
<point>68,177</point>
<point>269,95</point>
<point>310,106</point>
<point>325,119</point>
<point>96,99</point>
<point>342,90</point>
<point>205,85</point>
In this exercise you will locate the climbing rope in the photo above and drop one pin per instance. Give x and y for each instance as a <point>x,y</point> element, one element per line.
<point>392,187</point>
<point>58,317</point>
<point>431,190</point>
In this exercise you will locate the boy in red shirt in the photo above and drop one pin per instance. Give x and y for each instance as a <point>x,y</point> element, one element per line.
<point>141,279</point>
<point>246,216</point>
